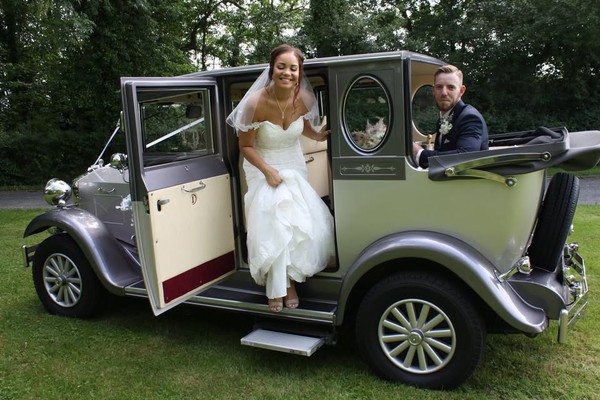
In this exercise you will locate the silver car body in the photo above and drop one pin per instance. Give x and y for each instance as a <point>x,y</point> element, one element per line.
<point>146,229</point>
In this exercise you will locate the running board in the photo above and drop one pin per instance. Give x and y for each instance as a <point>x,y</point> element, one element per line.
<point>284,342</point>
<point>253,302</point>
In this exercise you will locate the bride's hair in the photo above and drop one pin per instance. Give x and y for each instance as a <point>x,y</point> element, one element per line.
<point>286,48</point>
<point>242,116</point>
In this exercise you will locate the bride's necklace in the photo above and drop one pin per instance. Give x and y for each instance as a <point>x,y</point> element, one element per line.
<point>286,104</point>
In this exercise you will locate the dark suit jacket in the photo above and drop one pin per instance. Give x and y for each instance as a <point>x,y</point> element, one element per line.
<point>469,133</point>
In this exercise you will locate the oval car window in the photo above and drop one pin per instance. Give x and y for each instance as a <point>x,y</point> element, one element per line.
<point>366,114</point>
<point>424,111</point>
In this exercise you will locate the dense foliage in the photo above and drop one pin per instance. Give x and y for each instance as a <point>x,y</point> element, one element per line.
<point>527,62</point>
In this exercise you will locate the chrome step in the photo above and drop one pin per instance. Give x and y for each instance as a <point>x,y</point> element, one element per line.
<point>284,342</point>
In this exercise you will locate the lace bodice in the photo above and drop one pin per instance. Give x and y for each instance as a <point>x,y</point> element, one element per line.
<point>273,136</point>
<point>278,147</point>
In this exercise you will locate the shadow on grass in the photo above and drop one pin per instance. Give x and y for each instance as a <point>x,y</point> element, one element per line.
<point>202,326</point>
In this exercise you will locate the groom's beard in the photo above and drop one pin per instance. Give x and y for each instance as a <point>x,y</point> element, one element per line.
<point>446,105</point>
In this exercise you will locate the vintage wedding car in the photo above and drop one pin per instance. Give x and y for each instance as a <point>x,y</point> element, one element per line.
<point>428,261</point>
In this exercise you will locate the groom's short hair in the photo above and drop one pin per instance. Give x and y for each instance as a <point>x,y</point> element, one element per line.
<point>448,69</point>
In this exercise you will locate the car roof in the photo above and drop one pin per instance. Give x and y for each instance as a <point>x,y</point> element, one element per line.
<point>323,62</point>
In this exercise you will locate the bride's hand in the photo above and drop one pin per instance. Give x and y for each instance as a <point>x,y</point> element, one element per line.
<point>322,134</point>
<point>273,178</point>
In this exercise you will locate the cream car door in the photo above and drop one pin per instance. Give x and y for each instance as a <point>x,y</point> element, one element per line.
<point>180,187</point>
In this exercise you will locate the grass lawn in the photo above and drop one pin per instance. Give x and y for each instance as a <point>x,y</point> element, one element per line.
<point>588,172</point>
<point>194,353</point>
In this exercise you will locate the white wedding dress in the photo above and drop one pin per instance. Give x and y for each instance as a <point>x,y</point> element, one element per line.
<point>290,230</point>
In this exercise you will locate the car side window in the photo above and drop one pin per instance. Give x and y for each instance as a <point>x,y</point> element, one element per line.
<point>366,114</point>
<point>176,127</point>
<point>424,111</point>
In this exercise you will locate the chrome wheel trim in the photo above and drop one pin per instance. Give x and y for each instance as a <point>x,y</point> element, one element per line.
<point>417,336</point>
<point>62,280</point>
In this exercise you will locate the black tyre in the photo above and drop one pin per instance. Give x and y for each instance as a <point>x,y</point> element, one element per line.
<point>420,329</point>
<point>554,222</point>
<point>64,280</point>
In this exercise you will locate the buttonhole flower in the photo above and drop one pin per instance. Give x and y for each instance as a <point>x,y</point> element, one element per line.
<point>446,125</point>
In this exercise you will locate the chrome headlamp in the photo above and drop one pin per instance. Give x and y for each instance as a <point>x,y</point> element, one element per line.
<point>57,192</point>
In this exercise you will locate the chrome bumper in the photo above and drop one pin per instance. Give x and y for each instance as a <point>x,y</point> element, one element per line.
<point>576,281</point>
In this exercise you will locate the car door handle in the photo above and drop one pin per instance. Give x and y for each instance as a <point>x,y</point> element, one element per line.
<point>201,185</point>
<point>105,191</point>
<point>161,203</point>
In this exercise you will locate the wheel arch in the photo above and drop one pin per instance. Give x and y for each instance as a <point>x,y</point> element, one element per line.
<point>113,266</point>
<point>441,254</point>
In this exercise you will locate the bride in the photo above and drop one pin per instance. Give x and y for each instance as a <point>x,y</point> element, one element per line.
<point>290,230</point>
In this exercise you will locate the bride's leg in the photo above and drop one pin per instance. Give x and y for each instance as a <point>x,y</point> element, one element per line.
<point>276,283</point>
<point>291,299</point>
<point>276,304</point>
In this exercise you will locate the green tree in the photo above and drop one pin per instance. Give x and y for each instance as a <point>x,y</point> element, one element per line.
<point>526,62</point>
<point>62,62</point>
<point>203,23</point>
<point>229,33</point>
<point>334,27</point>
<point>33,37</point>
<point>537,63</point>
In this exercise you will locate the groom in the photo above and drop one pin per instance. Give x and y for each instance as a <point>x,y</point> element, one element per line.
<point>461,127</point>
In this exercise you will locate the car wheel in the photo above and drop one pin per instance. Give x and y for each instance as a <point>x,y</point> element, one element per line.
<point>420,329</point>
<point>64,280</point>
<point>554,222</point>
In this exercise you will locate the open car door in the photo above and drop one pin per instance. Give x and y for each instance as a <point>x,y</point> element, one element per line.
<point>180,187</point>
